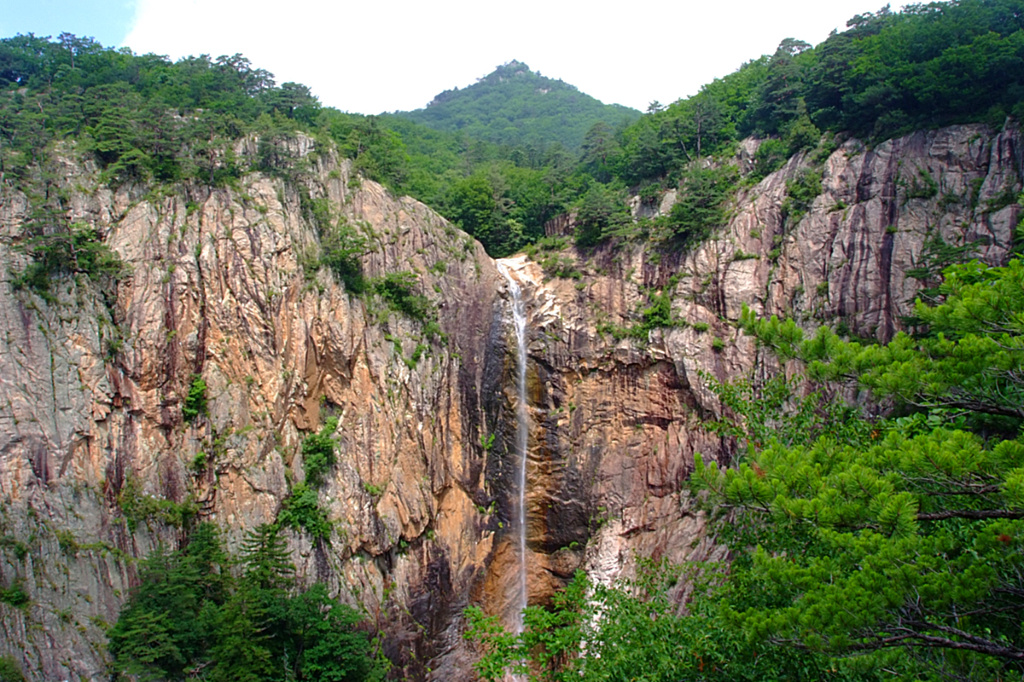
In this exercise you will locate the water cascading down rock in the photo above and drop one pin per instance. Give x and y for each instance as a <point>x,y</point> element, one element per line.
<point>518,600</point>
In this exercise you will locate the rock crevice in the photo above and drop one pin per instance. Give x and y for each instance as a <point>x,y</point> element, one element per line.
<point>223,286</point>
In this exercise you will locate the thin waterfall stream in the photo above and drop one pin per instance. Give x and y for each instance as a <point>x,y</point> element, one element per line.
<point>522,435</point>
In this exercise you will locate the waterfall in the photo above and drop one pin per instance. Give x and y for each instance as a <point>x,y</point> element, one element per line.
<point>522,434</point>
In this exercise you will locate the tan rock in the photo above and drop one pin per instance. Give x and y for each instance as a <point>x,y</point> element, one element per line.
<point>422,493</point>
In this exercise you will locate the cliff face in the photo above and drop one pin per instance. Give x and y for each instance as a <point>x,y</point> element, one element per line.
<point>93,398</point>
<point>92,387</point>
<point>616,424</point>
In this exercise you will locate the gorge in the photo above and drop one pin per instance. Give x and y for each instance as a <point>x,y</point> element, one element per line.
<point>437,428</point>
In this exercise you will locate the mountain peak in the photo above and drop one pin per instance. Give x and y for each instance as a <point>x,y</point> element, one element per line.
<point>514,105</point>
<point>507,70</point>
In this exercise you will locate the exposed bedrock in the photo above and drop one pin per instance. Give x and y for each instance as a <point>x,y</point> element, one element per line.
<point>92,387</point>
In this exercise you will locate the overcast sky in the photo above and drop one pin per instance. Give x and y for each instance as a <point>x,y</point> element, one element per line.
<point>369,57</point>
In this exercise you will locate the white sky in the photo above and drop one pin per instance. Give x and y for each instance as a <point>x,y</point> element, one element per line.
<point>369,57</point>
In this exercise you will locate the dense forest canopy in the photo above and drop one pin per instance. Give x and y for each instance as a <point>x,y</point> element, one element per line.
<point>200,613</point>
<point>145,118</point>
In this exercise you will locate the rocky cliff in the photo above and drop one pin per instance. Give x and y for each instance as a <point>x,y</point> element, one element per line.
<point>617,423</point>
<point>221,287</point>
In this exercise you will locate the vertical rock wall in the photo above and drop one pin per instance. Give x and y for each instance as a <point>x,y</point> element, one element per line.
<point>92,387</point>
<point>617,423</point>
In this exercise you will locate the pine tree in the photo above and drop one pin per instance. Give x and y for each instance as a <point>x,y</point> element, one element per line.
<point>909,540</point>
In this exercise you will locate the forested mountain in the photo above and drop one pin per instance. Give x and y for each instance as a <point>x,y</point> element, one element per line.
<point>259,411</point>
<point>517,107</point>
<point>889,73</point>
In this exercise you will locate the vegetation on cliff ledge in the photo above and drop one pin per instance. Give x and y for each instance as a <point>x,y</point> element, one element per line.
<point>862,548</point>
<point>198,613</point>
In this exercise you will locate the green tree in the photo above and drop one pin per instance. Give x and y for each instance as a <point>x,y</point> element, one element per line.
<point>911,537</point>
<point>195,401</point>
<point>340,250</point>
<point>643,156</point>
<point>601,211</point>
<point>701,205</point>
<point>302,510</point>
<point>10,671</point>
<point>166,626</point>
<point>143,646</point>
<point>294,100</point>
<point>242,650</point>
<point>265,559</point>
<point>57,249</point>
<point>189,619</point>
<point>632,630</point>
<point>599,148</point>
<point>693,127</point>
<point>325,643</point>
<point>776,100</point>
<point>318,452</point>
<point>771,154</point>
<point>470,203</point>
